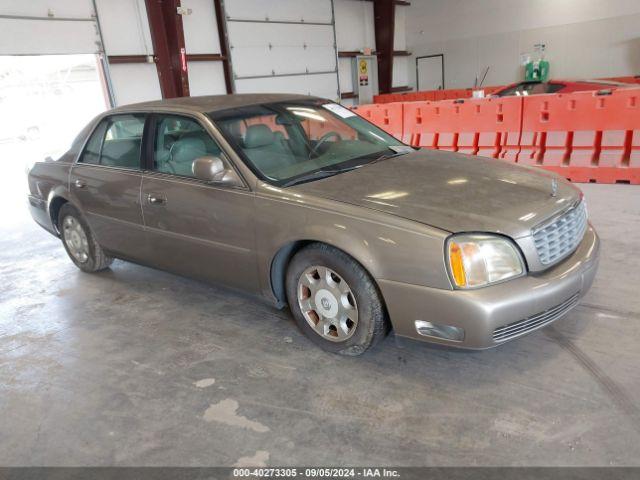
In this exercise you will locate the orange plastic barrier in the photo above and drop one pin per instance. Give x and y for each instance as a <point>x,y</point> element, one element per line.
<point>431,95</point>
<point>388,116</point>
<point>488,127</point>
<point>584,135</point>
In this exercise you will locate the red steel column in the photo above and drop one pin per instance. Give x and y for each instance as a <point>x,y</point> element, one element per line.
<point>384,19</point>
<point>167,35</point>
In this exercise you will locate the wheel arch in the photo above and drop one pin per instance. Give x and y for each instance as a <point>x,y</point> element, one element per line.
<point>55,203</point>
<point>278,270</point>
<point>282,258</point>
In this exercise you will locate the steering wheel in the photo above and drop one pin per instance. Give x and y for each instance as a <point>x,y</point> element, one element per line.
<point>323,139</point>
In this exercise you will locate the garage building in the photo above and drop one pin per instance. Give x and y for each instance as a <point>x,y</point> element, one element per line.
<point>135,366</point>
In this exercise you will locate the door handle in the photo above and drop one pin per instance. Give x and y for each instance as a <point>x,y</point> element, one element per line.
<point>80,184</point>
<point>155,199</point>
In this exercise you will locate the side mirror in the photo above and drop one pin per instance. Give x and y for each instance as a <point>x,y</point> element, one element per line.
<point>212,169</point>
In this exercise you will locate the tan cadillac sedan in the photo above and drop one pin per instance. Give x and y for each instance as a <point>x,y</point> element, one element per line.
<point>303,202</point>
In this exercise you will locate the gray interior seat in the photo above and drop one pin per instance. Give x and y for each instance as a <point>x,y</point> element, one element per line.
<point>266,149</point>
<point>210,145</point>
<point>121,153</point>
<point>183,153</point>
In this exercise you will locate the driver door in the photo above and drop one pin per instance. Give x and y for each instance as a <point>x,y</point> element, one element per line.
<point>199,229</point>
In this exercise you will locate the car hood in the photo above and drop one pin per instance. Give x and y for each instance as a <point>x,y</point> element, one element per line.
<point>453,192</point>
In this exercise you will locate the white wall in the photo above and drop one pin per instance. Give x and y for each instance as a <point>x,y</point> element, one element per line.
<point>584,38</point>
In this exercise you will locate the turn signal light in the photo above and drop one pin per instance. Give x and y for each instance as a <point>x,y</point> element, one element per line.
<point>457,265</point>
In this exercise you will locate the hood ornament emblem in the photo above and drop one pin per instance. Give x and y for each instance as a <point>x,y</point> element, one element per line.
<point>554,187</point>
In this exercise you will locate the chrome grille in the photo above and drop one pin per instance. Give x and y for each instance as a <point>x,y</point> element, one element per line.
<point>520,327</point>
<point>557,239</point>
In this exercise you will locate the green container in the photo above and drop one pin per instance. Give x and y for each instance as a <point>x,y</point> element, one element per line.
<point>537,71</point>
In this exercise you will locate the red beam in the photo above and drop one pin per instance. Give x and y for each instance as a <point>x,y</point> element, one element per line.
<point>384,14</point>
<point>205,57</point>
<point>191,57</point>
<point>167,35</point>
<point>115,59</point>
<point>352,53</point>
<point>355,53</point>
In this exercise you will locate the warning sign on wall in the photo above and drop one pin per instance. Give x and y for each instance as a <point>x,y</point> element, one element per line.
<point>363,70</point>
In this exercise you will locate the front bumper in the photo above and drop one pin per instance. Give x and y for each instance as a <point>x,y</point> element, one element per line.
<point>492,315</point>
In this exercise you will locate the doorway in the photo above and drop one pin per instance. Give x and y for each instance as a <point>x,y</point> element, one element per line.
<point>45,101</point>
<point>430,72</point>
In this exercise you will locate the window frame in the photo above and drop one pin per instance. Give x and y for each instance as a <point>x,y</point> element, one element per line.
<point>151,132</point>
<point>142,161</point>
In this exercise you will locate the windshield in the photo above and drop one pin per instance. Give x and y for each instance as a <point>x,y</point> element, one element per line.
<point>289,142</point>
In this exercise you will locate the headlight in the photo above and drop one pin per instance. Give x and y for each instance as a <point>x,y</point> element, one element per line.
<point>478,260</point>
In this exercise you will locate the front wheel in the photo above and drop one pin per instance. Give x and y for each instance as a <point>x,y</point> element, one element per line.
<point>335,301</point>
<point>79,242</point>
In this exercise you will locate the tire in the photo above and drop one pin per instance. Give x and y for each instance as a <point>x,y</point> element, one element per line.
<point>70,220</point>
<point>318,269</point>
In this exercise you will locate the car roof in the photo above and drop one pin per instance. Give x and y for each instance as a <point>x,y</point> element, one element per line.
<point>214,103</point>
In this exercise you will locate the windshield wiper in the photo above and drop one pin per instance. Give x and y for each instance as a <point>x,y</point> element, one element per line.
<point>386,156</point>
<point>317,175</point>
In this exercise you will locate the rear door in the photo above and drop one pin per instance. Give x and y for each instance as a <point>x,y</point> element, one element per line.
<point>194,228</point>
<point>106,181</point>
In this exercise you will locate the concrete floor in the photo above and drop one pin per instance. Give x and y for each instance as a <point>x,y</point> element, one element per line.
<point>138,367</point>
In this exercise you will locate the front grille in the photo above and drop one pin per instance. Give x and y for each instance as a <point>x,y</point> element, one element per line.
<point>557,239</point>
<point>520,327</point>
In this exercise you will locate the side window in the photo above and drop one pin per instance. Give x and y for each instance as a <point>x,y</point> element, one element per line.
<point>122,141</point>
<point>179,141</point>
<point>91,152</point>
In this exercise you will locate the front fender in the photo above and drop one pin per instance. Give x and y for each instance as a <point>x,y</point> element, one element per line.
<point>388,247</point>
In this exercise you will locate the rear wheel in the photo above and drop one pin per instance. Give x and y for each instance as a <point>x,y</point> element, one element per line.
<point>79,241</point>
<point>334,300</point>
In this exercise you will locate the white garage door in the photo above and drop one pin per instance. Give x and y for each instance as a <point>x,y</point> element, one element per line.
<point>40,27</point>
<point>285,46</point>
